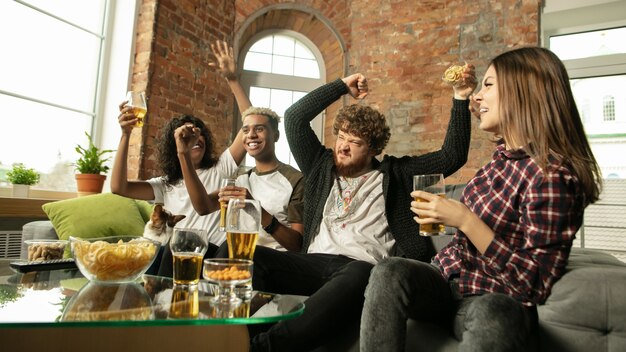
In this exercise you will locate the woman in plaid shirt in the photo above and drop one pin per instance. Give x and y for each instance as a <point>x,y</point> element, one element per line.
<point>516,219</point>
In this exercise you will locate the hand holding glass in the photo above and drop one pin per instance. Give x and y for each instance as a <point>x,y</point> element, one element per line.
<point>138,102</point>
<point>226,182</point>
<point>432,184</point>
<point>188,248</point>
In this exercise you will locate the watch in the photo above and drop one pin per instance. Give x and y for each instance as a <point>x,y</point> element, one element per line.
<point>272,226</point>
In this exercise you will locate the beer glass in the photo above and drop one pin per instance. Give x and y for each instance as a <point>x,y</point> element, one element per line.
<point>226,182</point>
<point>138,102</point>
<point>243,223</point>
<point>432,184</point>
<point>188,248</point>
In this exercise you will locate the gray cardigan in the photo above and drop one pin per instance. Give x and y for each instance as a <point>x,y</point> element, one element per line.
<point>317,164</point>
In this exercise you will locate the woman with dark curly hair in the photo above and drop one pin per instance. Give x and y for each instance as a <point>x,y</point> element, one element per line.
<point>191,169</point>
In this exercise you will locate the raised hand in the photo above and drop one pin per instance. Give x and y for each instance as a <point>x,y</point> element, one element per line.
<point>126,119</point>
<point>468,83</point>
<point>224,59</point>
<point>186,137</point>
<point>357,85</point>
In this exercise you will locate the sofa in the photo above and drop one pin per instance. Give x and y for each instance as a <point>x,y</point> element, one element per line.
<point>586,310</point>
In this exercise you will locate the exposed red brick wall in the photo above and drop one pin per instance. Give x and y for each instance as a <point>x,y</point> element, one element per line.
<point>171,64</point>
<point>403,47</point>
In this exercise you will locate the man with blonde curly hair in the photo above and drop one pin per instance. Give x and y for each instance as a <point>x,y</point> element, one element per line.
<point>356,211</point>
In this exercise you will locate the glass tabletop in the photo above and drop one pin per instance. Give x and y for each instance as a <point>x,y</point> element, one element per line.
<point>60,298</point>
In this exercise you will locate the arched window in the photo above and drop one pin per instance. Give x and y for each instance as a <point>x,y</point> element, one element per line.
<point>608,108</point>
<point>280,67</point>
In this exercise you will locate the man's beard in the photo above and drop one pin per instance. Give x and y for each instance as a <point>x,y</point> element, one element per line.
<point>354,169</point>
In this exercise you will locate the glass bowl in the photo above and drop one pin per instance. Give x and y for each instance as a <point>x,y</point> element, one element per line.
<point>113,259</point>
<point>40,250</point>
<point>227,273</point>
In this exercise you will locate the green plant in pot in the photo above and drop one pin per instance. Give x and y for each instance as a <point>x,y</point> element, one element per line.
<point>90,167</point>
<point>22,178</point>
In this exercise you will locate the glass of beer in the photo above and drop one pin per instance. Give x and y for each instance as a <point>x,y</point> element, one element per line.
<point>188,248</point>
<point>226,182</point>
<point>432,184</point>
<point>138,102</point>
<point>243,223</point>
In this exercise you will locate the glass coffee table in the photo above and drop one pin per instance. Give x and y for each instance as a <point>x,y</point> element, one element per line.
<point>38,309</point>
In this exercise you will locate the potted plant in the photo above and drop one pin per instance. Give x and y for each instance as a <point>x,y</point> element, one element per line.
<point>22,178</point>
<point>90,167</point>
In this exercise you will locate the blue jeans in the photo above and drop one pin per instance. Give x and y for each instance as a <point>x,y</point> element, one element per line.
<point>400,289</point>
<point>334,283</point>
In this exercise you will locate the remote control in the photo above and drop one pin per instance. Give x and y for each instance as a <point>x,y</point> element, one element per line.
<point>54,264</point>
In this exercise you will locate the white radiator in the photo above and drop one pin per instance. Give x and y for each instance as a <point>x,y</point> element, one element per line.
<point>10,244</point>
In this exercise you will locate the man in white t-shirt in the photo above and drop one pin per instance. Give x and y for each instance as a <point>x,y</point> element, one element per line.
<point>277,186</point>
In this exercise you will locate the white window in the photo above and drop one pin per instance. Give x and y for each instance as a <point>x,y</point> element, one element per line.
<point>593,50</point>
<point>56,70</point>
<point>280,67</point>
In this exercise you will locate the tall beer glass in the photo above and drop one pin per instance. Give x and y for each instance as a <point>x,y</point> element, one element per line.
<point>138,101</point>
<point>188,248</point>
<point>243,222</point>
<point>432,184</point>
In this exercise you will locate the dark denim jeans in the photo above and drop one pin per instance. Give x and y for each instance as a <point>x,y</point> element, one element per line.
<point>335,284</point>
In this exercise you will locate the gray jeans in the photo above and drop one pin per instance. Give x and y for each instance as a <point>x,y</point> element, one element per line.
<point>400,289</point>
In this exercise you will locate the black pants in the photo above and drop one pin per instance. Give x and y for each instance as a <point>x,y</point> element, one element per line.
<point>335,284</point>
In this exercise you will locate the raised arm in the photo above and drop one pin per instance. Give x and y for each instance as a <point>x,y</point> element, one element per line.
<point>119,175</point>
<point>226,65</point>
<point>186,137</point>
<point>303,142</point>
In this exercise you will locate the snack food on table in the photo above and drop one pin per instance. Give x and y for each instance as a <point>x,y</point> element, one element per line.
<point>40,250</point>
<point>228,274</point>
<point>104,261</point>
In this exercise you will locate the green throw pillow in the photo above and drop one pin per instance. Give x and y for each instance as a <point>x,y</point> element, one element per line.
<point>96,215</point>
<point>145,209</point>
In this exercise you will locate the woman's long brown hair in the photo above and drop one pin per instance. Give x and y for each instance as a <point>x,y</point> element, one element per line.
<point>537,106</point>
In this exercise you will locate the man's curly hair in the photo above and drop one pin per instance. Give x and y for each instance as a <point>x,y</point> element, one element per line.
<point>166,148</point>
<point>363,122</point>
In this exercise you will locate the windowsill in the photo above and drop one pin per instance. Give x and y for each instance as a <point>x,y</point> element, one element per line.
<point>28,207</point>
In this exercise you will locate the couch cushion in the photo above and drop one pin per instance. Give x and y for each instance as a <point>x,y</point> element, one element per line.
<point>96,215</point>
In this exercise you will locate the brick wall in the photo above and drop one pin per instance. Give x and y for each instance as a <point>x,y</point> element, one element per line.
<point>403,47</point>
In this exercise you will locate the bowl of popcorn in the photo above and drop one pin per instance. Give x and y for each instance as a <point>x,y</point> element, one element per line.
<point>42,250</point>
<point>116,259</point>
<point>227,273</point>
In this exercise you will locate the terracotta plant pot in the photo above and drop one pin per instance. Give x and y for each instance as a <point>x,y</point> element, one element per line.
<point>87,184</point>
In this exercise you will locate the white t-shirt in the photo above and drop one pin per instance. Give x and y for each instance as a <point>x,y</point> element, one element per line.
<point>354,223</point>
<point>280,193</point>
<point>176,198</point>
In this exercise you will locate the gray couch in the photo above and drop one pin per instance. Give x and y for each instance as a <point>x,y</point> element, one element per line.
<point>585,312</point>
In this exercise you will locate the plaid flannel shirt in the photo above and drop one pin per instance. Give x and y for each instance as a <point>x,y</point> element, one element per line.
<point>534,215</point>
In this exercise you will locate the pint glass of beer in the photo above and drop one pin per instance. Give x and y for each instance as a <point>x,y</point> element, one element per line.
<point>188,248</point>
<point>243,222</point>
<point>138,102</point>
<point>432,184</point>
<point>226,182</point>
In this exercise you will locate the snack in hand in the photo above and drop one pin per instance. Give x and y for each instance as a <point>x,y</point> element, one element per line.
<point>454,75</point>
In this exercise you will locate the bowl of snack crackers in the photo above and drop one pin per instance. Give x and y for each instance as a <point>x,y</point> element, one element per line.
<point>42,250</point>
<point>113,259</point>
